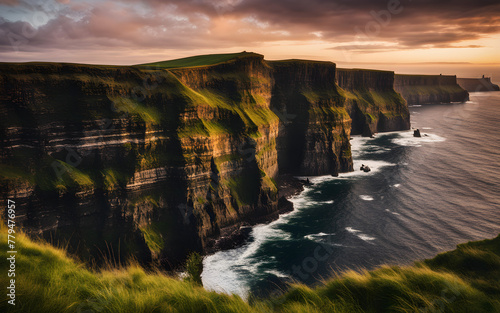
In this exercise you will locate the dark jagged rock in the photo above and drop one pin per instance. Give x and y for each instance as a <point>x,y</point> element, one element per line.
<point>232,239</point>
<point>416,133</point>
<point>365,168</point>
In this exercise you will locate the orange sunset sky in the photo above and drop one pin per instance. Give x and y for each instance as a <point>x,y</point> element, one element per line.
<point>408,36</point>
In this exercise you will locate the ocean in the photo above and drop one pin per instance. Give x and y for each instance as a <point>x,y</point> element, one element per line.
<point>422,196</point>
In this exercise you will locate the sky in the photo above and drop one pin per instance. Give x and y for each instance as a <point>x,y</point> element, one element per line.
<point>408,36</point>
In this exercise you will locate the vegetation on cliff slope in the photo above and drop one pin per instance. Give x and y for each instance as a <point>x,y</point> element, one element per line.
<point>48,280</point>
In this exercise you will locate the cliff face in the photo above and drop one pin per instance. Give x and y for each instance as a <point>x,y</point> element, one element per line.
<point>229,144</point>
<point>371,101</point>
<point>314,135</point>
<point>477,84</point>
<point>421,89</point>
<point>148,162</point>
<point>155,163</point>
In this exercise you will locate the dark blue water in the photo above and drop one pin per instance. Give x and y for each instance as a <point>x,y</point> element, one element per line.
<point>423,196</point>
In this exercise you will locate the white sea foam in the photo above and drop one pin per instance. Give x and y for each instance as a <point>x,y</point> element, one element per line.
<point>359,234</point>
<point>365,237</point>
<point>366,197</point>
<point>316,236</point>
<point>352,230</point>
<point>377,149</point>
<point>396,185</point>
<point>407,139</point>
<point>325,202</point>
<point>224,270</point>
<point>277,273</point>
<point>261,234</point>
<point>357,143</point>
<point>395,213</point>
<point>220,273</point>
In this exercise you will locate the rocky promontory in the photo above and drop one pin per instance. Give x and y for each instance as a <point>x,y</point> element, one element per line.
<point>422,89</point>
<point>477,84</point>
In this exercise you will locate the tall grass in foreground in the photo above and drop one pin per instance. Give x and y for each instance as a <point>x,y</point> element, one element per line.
<point>47,280</point>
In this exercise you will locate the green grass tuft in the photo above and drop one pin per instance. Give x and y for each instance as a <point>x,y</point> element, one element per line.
<point>153,238</point>
<point>48,280</point>
<point>194,268</point>
<point>149,115</point>
<point>199,60</point>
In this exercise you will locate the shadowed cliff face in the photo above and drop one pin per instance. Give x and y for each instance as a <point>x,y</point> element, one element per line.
<point>154,163</point>
<point>314,135</point>
<point>371,101</point>
<point>421,89</point>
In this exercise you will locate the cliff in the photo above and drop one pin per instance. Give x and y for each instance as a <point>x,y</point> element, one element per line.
<point>161,159</point>
<point>371,101</point>
<point>314,135</point>
<point>477,84</point>
<point>131,159</point>
<point>421,89</point>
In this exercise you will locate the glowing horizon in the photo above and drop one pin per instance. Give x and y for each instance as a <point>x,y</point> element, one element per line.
<point>397,35</point>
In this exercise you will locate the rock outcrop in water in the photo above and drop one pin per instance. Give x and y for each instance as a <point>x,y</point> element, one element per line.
<point>422,89</point>
<point>477,84</point>
<point>155,162</point>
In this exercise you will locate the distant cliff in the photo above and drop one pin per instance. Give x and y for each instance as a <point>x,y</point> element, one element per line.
<point>158,160</point>
<point>371,101</point>
<point>421,89</point>
<point>477,84</point>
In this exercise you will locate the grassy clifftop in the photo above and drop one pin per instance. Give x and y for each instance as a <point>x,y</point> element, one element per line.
<point>199,60</point>
<point>48,280</point>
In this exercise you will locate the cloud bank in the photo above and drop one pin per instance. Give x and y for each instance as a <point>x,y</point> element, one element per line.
<point>362,26</point>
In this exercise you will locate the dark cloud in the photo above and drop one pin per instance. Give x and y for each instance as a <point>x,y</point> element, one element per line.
<point>190,24</point>
<point>9,2</point>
